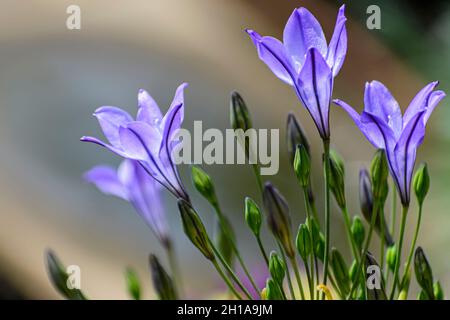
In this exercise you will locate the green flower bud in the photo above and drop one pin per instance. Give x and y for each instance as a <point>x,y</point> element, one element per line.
<point>162,282</point>
<point>422,296</point>
<point>358,231</point>
<point>424,274</point>
<point>438,291</point>
<point>340,271</point>
<point>194,229</point>
<point>302,165</point>
<point>317,236</point>
<point>273,291</point>
<point>303,242</point>
<point>320,247</point>
<point>253,216</point>
<point>403,295</point>
<point>240,117</point>
<point>59,277</point>
<point>379,172</point>
<point>421,183</point>
<point>374,276</point>
<point>133,284</point>
<point>353,271</point>
<point>391,257</point>
<point>337,178</point>
<point>223,239</point>
<point>204,185</point>
<point>278,218</point>
<point>295,136</point>
<point>277,268</point>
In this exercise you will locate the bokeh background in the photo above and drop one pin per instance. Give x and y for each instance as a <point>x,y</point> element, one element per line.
<point>52,79</point>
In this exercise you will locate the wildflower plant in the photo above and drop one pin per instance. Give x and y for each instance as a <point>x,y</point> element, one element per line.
<point>301,264</point>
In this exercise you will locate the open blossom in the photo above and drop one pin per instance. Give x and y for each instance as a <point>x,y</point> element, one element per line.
<point>133,184</point>
<point>305,61</point>
<point>384,126</point>
<point>150,139</point>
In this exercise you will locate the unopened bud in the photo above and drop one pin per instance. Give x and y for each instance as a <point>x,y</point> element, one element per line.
<point>391,257</point>
<point>303,242</point>
<point>379,172</point>
<point>133,284</point>
<point>421,183</point>
<point>204,185</point>
<point>253,216</point>
<point>337,178</point>
<point>424,274</point>
<point>162,282</point>
<point>273,291</point>
<point>277,268</point>
<point>438,291</point>
<point>302,165</point>
<point>358,231</point>
<point>295,136</point>
<point>340,271</point>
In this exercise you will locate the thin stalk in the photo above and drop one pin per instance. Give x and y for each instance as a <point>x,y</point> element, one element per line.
<point>255,168</point>
<point>311,240</point>
<point>413,246</point>
<point>381,217</point>
<point>263,251</point>
<point>226,280</point>
<point>373,219</point>
<point>173,262</point>
<point>399,252</point>
<point>297,276</point>
<point>230,271</point>
<point>310,281</point>
<point>326,147</point>
<point>288,275</point>
<point>348,228</point>
<point>394,209</point>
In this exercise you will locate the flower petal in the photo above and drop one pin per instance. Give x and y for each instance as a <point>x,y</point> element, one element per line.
<point>110,119</point>
<point>314,85</point>
<point>139,140</point>
<point>379,101</point>
<point>419,102</point>
<point>148,109</point>
<point>274,55</point>
<point>106,180</point>
<point>434,100</point>
<point>302,32</point>
<point>337,48</point>
<point>117,151</point>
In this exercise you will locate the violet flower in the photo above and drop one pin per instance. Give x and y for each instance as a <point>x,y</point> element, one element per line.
<point>305,62</point>
<point>132,183</point>
<point>383,125</point>
<point>150,139</point>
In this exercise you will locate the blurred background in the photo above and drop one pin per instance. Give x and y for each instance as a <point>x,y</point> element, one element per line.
<point>52,79</point>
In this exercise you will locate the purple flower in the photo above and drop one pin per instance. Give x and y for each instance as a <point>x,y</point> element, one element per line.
<point>132,183</point>
<point>384,126</point>
<point>305,62</point>
<point>149,140</point>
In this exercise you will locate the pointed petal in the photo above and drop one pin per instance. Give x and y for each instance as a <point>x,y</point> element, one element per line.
<point>110,119</point>
<point>106,180</point>
<point>105,145</point>
<point>337,48</point>
<point>139,140</point>
<point>379,101</point>
<point>274,55</point>
<point>419,102</point>
<point>302,32</point>
<point>405,153</point>
<point>314,86</point>
<point>148,111</point>
<point>434,100</point>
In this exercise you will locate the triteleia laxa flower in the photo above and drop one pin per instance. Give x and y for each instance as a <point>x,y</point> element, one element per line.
<point>384,126</point>
<point>150,139</point>
<point>305,61</point>
<point>132,183</point>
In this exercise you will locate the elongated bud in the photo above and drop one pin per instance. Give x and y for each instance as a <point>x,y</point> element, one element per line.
<point>379,172</point>
<point>318,238</point>
<point>438,291</point>
<point>403,295</point>
<point>273,291</point>
<point>340,271</point>
<point>337,177</point>
<point>358,231</point>
<point>162,282</point>
<point>302,165</point>
<point>204,185</point>
<point>366,200</point>
<point>194,229</point>
<point>278,218</point>
<point>295,136</point>
<point>421,183</point>
<point>133,284</point>
<point>253,216</point>
<point>353,271</point>
<point>277,268</point>
<point>60,278</point>
<point>239,115</point>
<point>374,279</point>
<point>223,240</point>
<point>424,274</point>
<point>391,257</point>
<point>303,242</point>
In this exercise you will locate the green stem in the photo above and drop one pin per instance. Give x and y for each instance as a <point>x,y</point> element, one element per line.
<point>310,281</point>
<point>399,252</point>
<point>381,218</point>
<point>413,247</point>
<point>394,209</point>
<point>226,280</point>
<point>326,147</point>
<point>373,219</point>
<point>297,276</point>
<point>171,256</point>
<point>230,271</point>
<point>288,275</point>
<point>255,168</point>
<point>263,251</point>
<point>311,240</point>
<point>348,228</point>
